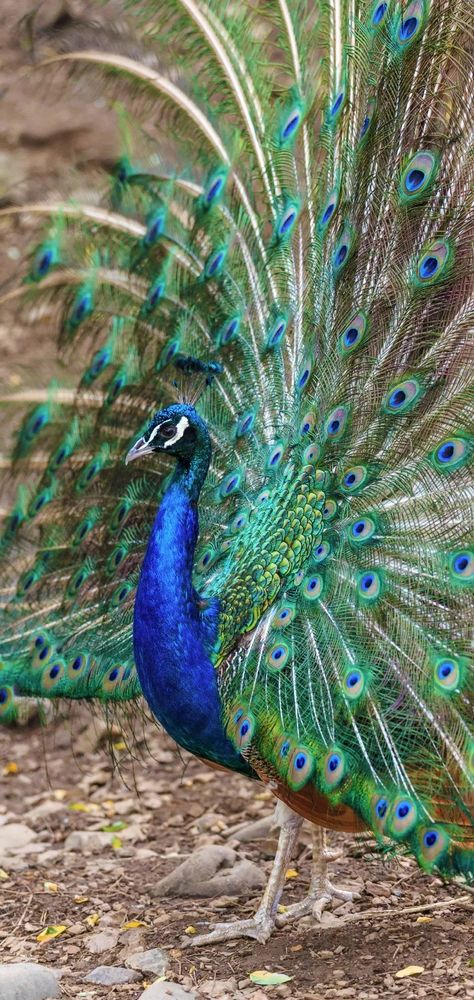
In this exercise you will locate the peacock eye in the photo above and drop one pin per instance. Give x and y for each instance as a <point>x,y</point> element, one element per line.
<point>168,430</point>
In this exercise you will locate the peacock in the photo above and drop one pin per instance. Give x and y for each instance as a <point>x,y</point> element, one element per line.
<point>254,508</point>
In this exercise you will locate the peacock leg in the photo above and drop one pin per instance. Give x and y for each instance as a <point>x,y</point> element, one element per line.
<point>321,890</point>
<point>262,924</point>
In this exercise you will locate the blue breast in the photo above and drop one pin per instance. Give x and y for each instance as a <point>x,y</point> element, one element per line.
<point>172,642</point>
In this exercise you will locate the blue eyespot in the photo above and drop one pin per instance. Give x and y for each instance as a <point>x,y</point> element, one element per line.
<point>367,581</point>
<point>3,696</point>
<point>244,728</point>
<point>445,669</point>
<point>403,809</point>
<point>364,127</point>
<point>334,426</point>
<point>358,528</point>
<point>287,222</point>
<point>77,663</point>
<point>39,641</point>
<point>353,678</point>
<point>214,190</point>
<point>285,749</point>
<point>300,761</point>
<point>414,179</point>
<point>340,255</point>
<point>303,378</point>
<point>44,263</point>
<point>428,267</point>
<point>277,332</point>
<point>408,28</point>
<point>381,808</point>
<point>397,398</point>
<point>461,563</point>
<point>446,452</point>
<point>291,125</point>
<point>430,838</point>
<point>54,671</point>
<point>238,715</point>
<point>337,104</point>
<point>114,674</point>
<point>334,761</point>
<point>327,214</point>
<point>351,336</point>
<point>379,13</point>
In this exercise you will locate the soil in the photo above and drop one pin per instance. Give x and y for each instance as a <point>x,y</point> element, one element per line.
<point>59,778</point>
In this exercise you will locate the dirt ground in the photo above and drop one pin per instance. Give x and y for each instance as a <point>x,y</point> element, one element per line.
<point>159,806</point>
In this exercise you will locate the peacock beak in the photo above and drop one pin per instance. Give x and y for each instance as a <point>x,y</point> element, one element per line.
<point>141,447</point>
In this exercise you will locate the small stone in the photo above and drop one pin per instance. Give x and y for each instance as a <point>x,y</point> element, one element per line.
<point>87,841</point>
<point>112,975</point>
<point>27,981</point>
<point>14,836</point>
<point>154,960</point>
<point>167,991</point>
<point>104,941</point>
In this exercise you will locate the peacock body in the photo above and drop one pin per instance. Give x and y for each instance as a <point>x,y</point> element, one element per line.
<point>298,608</point>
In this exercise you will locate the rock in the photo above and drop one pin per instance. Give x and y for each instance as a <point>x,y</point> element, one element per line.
<point>111,975</point>
<point>103,941</point>
<point>154,960</point>
<point>27,981</point>
<point>167,991</point>
<point>211,871</point>
<point>46,809</point>
<point>14,836</point>
<point>219,989</point>
<point>87,841</point>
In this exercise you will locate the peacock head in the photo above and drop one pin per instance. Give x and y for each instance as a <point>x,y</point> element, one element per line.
<point>177,430</point>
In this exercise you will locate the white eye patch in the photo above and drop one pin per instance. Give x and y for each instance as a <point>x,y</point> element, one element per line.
<point>181,426</point>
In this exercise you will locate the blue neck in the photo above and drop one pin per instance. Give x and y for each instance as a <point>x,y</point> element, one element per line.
<point>170,639</point>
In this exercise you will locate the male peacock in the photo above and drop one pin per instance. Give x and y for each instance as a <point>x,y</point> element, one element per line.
<point>298,608</point>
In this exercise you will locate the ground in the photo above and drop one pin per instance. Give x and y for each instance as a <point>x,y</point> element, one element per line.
<point>158,807</point>
<point>58,779</point>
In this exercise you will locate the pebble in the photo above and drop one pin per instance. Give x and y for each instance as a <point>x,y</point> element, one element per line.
<point>27,981</point>
<point>167,991</point>
<point>154,960</point>
<point>112,975</point>
<point>87,841</point>
<point>14,836</point>
<point>103,941</point>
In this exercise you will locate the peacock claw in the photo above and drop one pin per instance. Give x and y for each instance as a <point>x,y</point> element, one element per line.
<point>258,927</point>
<point>320,896</point>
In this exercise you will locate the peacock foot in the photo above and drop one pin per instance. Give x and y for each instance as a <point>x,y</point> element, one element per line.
<point>258,927</point>
<point>321,894</point>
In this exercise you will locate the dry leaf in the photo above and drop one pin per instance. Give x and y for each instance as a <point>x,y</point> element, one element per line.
<point>83,807</point>
<point>50,887</point>
<point>81,899</point>
<point>10,768</point>
<point>116,843</point>
<point>264,978</point>
<point>3,875</point>
<point>281,908</point>
<point>120,745</point>
<point>53,931</point>
<point>92,920</point>
<point>424,920</point>
<point>114,827</point>
<point>409,970</point>
<point>291,873</point>
<point>190,930</point>
<point>131,924</point>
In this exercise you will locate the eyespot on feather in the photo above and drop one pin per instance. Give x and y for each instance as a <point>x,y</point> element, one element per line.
<point>402,818</point>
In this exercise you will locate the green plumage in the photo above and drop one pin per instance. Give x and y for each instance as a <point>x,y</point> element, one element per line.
<point>313,237</point>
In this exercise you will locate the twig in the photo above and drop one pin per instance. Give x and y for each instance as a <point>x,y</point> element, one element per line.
<point>369,914</point>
